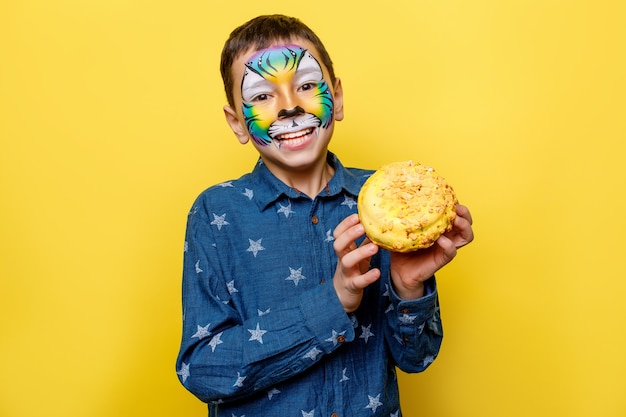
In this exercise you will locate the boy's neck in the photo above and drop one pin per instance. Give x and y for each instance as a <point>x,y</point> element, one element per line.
<point>309,181</point>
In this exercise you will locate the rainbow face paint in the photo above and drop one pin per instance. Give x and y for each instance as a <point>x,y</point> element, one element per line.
<point>284,94</point>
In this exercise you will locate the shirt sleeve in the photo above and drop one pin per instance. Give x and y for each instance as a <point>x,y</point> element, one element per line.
<point>224,356</point>
<point>414,329</point>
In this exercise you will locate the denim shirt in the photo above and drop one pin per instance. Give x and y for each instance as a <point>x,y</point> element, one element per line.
<point>264,333</point>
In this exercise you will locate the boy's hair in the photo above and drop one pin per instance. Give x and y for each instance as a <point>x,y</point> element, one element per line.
<point>260,33</point>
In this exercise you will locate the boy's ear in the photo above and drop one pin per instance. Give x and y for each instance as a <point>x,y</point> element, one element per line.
<point>238,129</point>
<point>338,98</point>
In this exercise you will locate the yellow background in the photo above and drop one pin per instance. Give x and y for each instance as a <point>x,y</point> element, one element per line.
<point>111,124</point>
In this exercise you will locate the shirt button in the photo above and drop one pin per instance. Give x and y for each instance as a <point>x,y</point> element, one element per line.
<point>405,311</point>
<point>322,281</point>
<point>341,338</point>
<point>334,415</point>
<point>315,220</point>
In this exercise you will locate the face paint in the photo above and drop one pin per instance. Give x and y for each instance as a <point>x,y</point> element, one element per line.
<point>284,70</point>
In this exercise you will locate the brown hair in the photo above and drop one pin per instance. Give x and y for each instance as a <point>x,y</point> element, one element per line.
<point>259,33</point>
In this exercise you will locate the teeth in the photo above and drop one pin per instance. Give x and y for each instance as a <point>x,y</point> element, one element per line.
<point>293,138</point>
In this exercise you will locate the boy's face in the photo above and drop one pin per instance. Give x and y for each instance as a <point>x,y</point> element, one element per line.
<point>284,102</point>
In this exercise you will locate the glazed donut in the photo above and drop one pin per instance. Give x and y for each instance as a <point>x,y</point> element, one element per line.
<point>406,206</point>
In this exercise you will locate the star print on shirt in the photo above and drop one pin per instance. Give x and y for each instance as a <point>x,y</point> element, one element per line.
<point>286,210</point>
<point>198,270</point>
<point>255,246</point>
<point>230,286</point>
<point>248,193</point>
<point>348,201</point>
<point>428,360</point>
<point>344,377</point>
<point>262,313</point>
<point>407,319</point>
<point>295,275</point>
<point>184,372</point>
<point>329,236</point>
<point>335,336</point>
<point>272,392</point>
<point>395,414</point>
<point>239,381</point>
<point>216,340</point>
<point>367,333</point>
<point>219,221</point>
<point>313,354</point>
<point>257,334</point>
<point>309,414</point>
<point>374,402</point>
<point>225,184</point>
<point>202,332</point>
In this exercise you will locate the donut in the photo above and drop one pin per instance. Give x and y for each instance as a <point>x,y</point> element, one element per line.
<point>406,206</point>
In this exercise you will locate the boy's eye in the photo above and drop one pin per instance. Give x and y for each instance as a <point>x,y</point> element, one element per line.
<point>260,97</point>
<point>307,86</point>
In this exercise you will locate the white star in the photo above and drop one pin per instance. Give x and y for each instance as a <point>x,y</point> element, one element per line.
<point>184,371</point>
<point>255,246</point>
<point>295,275</point>
<point>248,193</point>
<point>374,402</point>
<point>216,340</point>
<point>367,333</point>
<point>313,353</point>
<point>202,332</point>
<point>420,329</point>
<point>329,236</point>
<point>334,336</point>
<point>186,247</point>
<point>257,334</point>
<point>309,414</point>
<point>230,285</point>
<point>219,221</point>
<point>407,319</point>
<point>390,308</point>
<point>348,201</point>
<point>272,392</point>
<point>239,381</point>
<point>394,414</point>
<point>226,184</point>
<point>198,270</point>
<point>286,210</point>
<point>428,360</point>
<point>262,313</point>
<point>344,377</point>
<point>386,293</point>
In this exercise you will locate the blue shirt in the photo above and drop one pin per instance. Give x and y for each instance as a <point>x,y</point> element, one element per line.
<point>264,333</point>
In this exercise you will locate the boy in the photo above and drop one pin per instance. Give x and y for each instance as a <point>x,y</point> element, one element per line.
<point>284,313</point>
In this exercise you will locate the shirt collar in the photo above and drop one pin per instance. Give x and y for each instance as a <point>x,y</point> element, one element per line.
<point>268,188</point>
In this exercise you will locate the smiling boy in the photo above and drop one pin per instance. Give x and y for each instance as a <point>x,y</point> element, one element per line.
<point>287,309</point>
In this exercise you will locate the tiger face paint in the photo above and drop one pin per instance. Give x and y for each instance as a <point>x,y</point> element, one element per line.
<point>285,96</point>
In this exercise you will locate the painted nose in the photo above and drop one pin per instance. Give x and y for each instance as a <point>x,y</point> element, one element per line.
<point>295,111</point>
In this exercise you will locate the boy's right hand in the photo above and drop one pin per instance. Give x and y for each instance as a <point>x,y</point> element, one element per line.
<point>353,273</point>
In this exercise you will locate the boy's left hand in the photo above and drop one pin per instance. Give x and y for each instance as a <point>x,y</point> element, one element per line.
<point>410,270</point>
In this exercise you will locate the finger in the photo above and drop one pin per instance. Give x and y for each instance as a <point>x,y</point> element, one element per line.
<point>464,212</point>
<point>358,255</point>
<point>345,224</point>
<point>359,282</point>
<point>447,249</point>
<point>462,232</point>
<point>345,241</point>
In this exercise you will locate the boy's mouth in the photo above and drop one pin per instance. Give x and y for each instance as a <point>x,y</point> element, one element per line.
<point>293,139</point>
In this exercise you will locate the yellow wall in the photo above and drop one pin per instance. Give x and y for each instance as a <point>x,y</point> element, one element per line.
<point>111,124</point>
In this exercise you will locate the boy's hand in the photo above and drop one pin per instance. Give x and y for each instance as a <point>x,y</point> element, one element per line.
<point>410,270</point>
<point>353,273</point>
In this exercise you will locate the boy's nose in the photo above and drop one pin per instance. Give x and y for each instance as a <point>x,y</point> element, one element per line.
<point>286,113</point>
